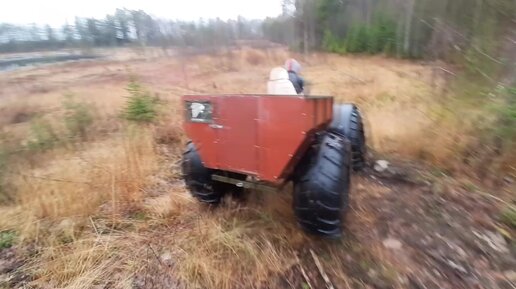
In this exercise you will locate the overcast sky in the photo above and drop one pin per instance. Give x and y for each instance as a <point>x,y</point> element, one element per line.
<point>56,12</point>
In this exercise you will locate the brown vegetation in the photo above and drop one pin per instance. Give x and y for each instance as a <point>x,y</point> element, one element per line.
<point>110,209</point>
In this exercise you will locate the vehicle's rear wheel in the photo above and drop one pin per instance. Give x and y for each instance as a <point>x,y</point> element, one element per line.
<point>198,178</point>
<point>321,186</point>
<point>347,122</point>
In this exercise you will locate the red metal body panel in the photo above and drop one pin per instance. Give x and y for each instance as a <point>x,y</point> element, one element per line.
<point>259,135</point>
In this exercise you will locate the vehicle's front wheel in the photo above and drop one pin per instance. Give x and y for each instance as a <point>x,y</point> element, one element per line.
<point>321,187</point>
<point>198,178</point>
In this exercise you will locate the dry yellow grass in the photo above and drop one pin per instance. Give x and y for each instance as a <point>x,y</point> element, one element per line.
<point>242,246</point>
<point>81,264</point>
<point>181,239</point>
<point>74,185</point>
<point>255,57</point>
<point>210,253</point>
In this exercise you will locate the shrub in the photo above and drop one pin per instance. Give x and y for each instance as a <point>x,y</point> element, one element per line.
<point>141,106</point>
<point>332,43</point>
<point>78,117</point>
<point>6,239</point>
<point>42,136</point>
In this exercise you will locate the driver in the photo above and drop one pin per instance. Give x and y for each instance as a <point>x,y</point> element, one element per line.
<point>294,68</point>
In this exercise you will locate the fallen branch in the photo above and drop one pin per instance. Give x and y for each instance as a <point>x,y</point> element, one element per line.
<point>94,227</point>
<point>459,270</point>
<point>303,272</point>
<point>329,285</point>
<point>487,195</point>
<point>155,255</point>
<point>448,71</point>
<point>493,197</point>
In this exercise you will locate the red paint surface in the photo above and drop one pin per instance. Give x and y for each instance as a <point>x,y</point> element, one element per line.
<point>259,135</point>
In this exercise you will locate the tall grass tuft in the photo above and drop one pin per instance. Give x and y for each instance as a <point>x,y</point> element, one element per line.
<point>78,117</point>
<point>114,172</point>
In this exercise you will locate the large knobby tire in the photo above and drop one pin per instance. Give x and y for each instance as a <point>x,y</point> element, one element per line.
<point>347,122</point>
<point>321,188</point>
<point>198,178</point>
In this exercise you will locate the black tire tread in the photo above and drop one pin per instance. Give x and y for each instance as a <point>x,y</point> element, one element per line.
<point>353,129</point>
<point>198,178</point>
<point>321,189</point>
<point>357,140</point>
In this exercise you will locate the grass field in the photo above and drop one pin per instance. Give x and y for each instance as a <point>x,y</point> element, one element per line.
<point>93,200</point>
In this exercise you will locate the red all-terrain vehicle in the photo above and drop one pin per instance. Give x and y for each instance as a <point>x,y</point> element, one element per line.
<point>264,141</point>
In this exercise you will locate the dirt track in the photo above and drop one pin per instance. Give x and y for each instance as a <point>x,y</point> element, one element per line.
<point>447,236</point>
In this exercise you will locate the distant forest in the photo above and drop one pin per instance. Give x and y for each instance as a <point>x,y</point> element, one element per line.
<point>478,35</point>
<point>436,29</point>
<point>126,27</point>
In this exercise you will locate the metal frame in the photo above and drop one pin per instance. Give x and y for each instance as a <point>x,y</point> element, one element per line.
<point>264,94</point>
<point>244,184</point>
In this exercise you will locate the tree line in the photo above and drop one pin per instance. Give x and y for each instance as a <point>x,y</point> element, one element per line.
<point>127,27</point>
<point>479,36</point>
<point>403,28</point>
<point>452,30</point>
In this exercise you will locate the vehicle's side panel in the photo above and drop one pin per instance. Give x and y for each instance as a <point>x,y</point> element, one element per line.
<point>260,135</point>
<point>286,126</point>
<point>237,133</point>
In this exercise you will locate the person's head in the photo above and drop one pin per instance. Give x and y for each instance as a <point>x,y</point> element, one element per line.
<point>292,65</point>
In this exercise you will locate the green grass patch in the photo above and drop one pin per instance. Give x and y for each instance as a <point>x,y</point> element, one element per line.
<point>7,239</point>
<point>42,136</point>
<point>508,216</point>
